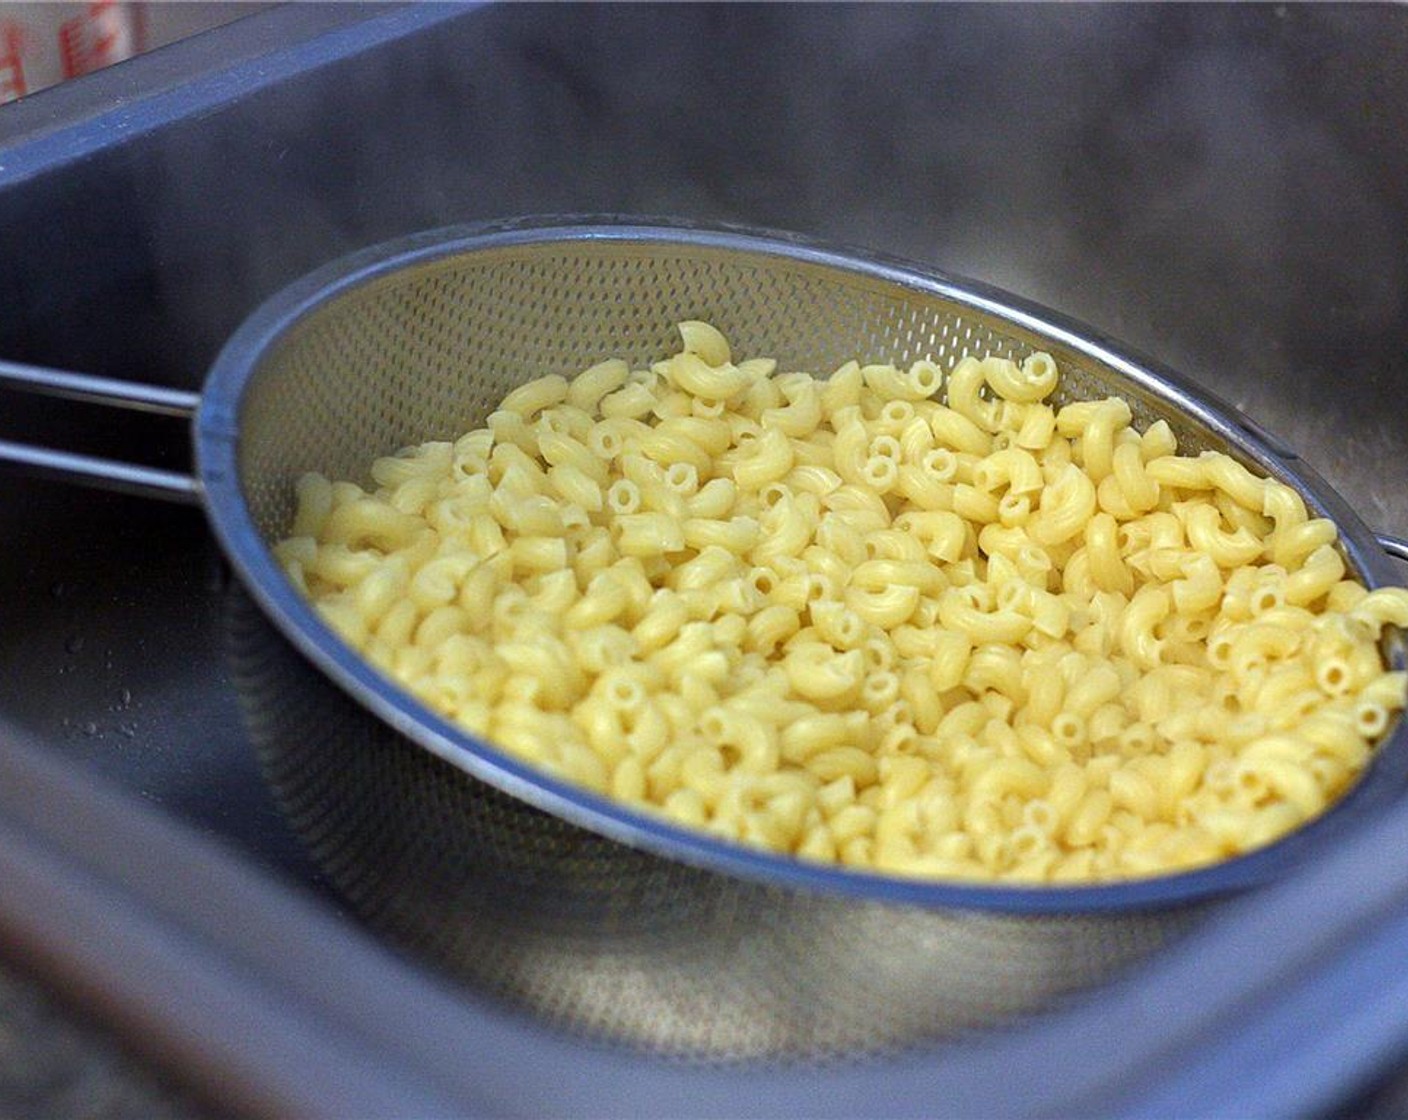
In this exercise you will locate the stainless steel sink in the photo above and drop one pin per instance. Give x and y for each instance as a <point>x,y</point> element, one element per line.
<point>1224,188</point>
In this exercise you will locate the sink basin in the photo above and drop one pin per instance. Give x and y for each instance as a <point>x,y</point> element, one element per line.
<point>1224,188</point>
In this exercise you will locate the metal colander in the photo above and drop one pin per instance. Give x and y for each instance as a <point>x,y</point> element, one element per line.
<point>581,911</point>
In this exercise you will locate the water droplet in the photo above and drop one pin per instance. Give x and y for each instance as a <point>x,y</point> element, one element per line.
<point>90,729</point>
<point>74,644</point>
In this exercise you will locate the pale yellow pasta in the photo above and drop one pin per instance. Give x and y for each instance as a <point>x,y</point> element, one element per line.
<point>924,625</point>
<point>842,390</point>
<point>531,398</point>
<point>1386,606</point>
<point>649,534</point>
<point>962,611</point>
<point>955,431</point>
<point>1032,381</point>
<point>1236,481</point>
<point>631,402</point>
<point>589,387</point>
<point>705,340</point>
<point>770,458</point>
<point>977,507</point>
<point>1098,435</point>
<point>1067,504</point>
<point>801,416</point>
<point>1012,467</point>
<point>1107,567</point>
<point>710,383</point>
<point>1292,543</point>
<point>1229,549</point>
<point>761,394</point>
<point>889,383</point>
<point>1321,570</point>
<point>738,534</point>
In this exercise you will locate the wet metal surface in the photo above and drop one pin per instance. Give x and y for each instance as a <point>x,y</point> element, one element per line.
<point>1225,189</point>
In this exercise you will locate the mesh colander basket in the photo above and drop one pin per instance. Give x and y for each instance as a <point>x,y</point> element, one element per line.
<point>583,911</point>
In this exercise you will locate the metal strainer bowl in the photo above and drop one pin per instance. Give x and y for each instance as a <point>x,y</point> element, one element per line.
<point>581,910</point>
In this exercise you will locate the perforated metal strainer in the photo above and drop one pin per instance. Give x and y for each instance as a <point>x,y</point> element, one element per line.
<point>584,911</point>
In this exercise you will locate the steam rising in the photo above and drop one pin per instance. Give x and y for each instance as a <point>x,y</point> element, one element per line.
<point>1212,185</point>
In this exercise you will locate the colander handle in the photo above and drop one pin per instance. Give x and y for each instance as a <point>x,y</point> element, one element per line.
<point>1396,547</point>
<point>107,474</point>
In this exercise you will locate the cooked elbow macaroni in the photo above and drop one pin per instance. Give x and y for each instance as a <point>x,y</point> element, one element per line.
<point>961,635</point>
